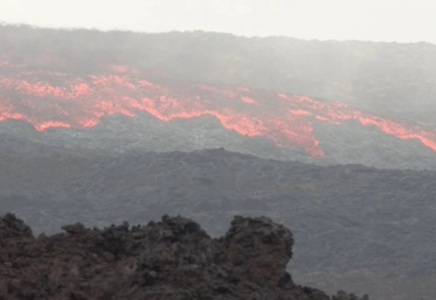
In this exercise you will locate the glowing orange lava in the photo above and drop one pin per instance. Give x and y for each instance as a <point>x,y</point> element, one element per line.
<point>55,99</point>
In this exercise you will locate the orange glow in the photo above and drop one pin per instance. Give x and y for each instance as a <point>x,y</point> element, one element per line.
<point>248,100</point>
<point>54,99</point>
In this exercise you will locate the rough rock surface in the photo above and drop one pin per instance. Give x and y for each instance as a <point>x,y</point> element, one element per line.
<point>170,259</point>
<point>355,228</point>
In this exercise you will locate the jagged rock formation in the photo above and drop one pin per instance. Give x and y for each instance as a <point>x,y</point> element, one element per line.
<point>171,259</point>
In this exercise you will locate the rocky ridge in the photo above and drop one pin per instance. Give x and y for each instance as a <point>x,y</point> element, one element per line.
<point>356,228</point>
<point>170,259</point>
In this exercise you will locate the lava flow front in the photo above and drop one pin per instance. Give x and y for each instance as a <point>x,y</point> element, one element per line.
<point>53,99</point>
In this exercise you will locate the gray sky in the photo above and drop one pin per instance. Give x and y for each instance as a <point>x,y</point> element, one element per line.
<point>375,20</point>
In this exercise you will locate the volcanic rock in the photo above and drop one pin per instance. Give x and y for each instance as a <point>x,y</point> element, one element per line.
<point>11,227</point>
<point>170,259</point>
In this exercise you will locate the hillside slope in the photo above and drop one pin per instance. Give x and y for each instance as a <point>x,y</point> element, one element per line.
<point>397,80</point>
<point>86,90</point>
<point>372,228</point>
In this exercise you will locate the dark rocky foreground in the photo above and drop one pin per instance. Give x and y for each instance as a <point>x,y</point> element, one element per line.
<point>170,259</point>
<point>355,228</point>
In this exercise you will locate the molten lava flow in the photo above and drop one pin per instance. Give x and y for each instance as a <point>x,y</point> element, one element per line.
<point>55,99</point>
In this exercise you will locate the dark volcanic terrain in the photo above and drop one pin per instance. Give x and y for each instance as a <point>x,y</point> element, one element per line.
<point>336,140</point>
<point>171,259</point>
<point>373,229</point>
